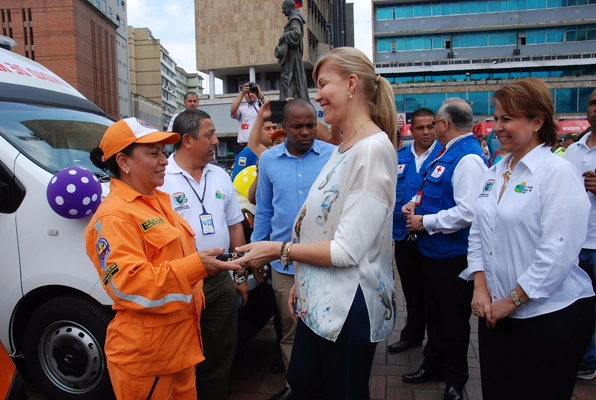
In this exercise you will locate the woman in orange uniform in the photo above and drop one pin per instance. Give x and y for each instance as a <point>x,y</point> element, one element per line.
<point>145,255</point>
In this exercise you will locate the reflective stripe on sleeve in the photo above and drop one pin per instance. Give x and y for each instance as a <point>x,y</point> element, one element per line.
<point>145,302</point>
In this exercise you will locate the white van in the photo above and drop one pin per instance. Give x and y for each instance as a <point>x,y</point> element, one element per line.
<point>53,311</point>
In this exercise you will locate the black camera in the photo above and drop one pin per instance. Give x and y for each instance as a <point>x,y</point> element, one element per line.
<point>252,87</point>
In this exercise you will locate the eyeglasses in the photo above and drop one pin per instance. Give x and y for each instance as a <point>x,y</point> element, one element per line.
<point>438,120</point>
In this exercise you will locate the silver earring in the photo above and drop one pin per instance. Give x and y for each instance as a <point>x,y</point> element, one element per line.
<point>350,96</point>
<point>127,172</point>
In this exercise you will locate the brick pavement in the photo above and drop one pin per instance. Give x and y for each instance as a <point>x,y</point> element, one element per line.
<point>251,379</point>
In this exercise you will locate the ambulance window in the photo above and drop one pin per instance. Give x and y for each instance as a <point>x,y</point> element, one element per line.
<point>12,192</point>
<point>54,138</point>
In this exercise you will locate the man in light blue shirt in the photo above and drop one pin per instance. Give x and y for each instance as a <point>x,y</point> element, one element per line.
<point>286,173</point>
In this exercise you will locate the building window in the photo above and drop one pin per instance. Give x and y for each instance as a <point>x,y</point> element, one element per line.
<point>480,75</point>
<point>533,36</point>
<point>103,6</point>
<point>565,100</point>
<point>110,12</point>
<point>465,7</point>
<point>385,13</point>
<point>236,82</point>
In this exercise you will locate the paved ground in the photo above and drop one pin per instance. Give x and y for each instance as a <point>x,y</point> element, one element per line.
<point>252,381</point>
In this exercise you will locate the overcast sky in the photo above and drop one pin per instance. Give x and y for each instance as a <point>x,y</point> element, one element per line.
<point>173,23</point>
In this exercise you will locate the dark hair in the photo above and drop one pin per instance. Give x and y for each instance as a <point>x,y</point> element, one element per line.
<point>297,102</point>
<point>421,112</point>
<point>190,94</point>
<point>529,98</point>
<point>96,157</point>
<point>458,112</point>
<point>268,119</point>
<point>188,122</point>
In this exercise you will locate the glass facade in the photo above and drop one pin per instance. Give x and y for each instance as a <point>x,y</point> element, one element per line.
<point>572,100</point>
<point>446,8</point>
<point>481,75</point>
<point>562,34</point>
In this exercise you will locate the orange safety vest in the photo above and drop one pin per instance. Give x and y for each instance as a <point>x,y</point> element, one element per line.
<point>147,261</point>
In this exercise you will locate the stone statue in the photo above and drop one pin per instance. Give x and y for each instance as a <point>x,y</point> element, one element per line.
<point>289,54</point>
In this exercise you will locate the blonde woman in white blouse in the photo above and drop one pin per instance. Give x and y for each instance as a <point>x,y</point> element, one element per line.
<point>535,305</point>
<point>341,248</point>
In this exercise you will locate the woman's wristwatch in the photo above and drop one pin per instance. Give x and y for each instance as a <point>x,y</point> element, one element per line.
<point>516,299</point>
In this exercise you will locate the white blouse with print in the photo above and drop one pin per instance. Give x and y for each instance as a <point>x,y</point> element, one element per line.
<point>350,203</point>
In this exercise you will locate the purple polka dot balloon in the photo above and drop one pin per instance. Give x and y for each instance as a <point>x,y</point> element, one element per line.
<point>74,192</point>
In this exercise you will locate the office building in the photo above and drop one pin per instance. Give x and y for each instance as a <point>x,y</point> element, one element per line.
<point>146,110</point>
<point>432,50</point>
<point>75,39</point>
<point>152,71</point>
<point>237,44</point>
<point>116,11</point>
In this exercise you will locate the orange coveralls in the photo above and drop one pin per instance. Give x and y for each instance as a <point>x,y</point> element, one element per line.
<point>146,258</point>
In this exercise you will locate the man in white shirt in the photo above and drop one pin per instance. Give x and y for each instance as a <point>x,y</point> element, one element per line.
<point>204,196</point>
<point>191,101</point>
<point>582,155</point>
<point>441,214</point>
<point>246,113</point>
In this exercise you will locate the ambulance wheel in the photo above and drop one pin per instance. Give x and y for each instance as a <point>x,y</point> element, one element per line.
<point>63,348</point>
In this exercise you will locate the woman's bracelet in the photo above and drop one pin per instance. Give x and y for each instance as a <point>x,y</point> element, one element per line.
<point>285,254</point>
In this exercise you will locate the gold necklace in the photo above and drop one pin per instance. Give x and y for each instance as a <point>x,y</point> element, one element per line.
<point>506,176</point>
<point>346,143</point>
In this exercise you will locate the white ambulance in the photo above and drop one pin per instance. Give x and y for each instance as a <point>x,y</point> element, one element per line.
<point>53,311</point>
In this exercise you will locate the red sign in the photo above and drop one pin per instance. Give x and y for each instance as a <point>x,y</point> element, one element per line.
<point>572,126</point>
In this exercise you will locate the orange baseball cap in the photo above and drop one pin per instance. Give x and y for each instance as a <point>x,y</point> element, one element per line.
<point>277,133</point>
<point>127,131</point>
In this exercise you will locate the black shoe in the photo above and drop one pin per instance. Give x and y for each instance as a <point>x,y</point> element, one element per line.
<point>285,394</point>
<point>421,376</point>
<point>277,367</point>
<point>451,393</point>
<point>402,345</point>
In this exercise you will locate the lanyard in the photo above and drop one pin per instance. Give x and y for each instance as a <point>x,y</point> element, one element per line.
<point>204,189</point>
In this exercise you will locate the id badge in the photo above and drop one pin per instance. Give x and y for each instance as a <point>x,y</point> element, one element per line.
<point>207,224</point>
<point>418,198</point>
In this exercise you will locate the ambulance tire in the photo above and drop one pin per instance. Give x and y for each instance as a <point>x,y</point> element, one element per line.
<point>63,348</point>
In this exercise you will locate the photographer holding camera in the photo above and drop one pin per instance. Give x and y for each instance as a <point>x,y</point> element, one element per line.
<point>246,113</point>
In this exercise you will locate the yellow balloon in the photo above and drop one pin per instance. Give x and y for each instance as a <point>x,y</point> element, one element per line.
<point>244,180</point>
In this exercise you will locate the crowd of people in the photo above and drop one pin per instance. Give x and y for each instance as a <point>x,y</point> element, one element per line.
<point>501,243</point>
<point>504,239</point>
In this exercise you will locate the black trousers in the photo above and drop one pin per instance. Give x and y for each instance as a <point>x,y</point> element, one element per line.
<point>535,358</point>
<point>409,267</point>
<point>448,309</point>
<point>340,370</point>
